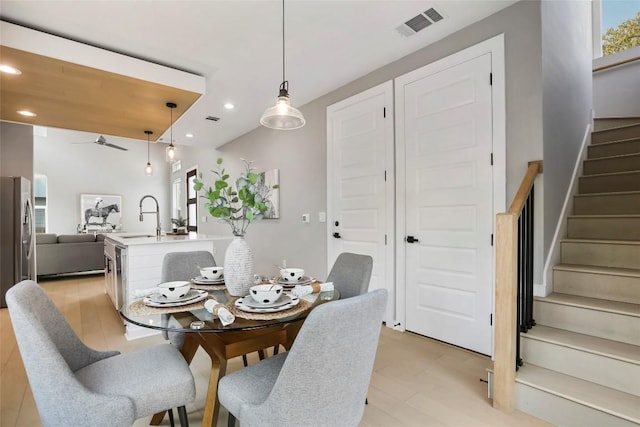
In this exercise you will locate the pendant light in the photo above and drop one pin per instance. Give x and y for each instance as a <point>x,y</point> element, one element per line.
<point>148,170</point>
<point>171,150</point>
<point>282,116</point>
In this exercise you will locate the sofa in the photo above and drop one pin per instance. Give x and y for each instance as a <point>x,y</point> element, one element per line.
<point>69,253</point>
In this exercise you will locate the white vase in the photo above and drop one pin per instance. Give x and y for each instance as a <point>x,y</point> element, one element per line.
<point>238,267</point>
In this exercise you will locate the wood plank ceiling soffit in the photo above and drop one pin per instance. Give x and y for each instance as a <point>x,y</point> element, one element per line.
<point>76,97</point>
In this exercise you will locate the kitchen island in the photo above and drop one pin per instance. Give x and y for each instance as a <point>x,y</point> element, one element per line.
<point>134,262</point>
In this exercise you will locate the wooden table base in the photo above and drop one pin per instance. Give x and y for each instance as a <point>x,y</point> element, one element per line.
<point>224,346</point>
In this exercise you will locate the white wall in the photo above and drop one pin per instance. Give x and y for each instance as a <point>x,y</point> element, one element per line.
<point>75,169</point>
<point>616,91</point>
<point>567,99</point>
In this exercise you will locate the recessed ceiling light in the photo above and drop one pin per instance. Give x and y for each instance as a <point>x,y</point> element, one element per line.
<point>26,113</point>
<point>229,106</point>
<point>9,69</point>
<point>189,135</point>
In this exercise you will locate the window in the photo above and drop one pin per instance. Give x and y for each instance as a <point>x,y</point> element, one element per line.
<point>619,25</point>
<point>40,202</point>
<point>192,202</point>
<point>176,198</point>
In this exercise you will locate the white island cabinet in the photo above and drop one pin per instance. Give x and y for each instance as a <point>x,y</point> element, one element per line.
<point>134,262</point>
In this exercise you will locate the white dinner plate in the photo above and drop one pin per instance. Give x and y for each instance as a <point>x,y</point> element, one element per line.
<point>202,281</point>
<point>305,280</point>
<point>249,301</point>
<point>240,305</point>
<point>197,295</point>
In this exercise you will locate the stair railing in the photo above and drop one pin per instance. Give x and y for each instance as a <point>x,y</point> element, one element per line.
<point>514,287</point>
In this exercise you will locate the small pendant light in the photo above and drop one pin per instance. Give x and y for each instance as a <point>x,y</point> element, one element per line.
<point>282,116</point>
<point>148,170</point>
<point>171,150</point>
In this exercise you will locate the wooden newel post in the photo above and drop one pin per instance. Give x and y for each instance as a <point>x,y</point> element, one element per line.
<point>506,311</point>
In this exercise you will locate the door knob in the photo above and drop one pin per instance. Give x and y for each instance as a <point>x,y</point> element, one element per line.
<point>411,239</point>
<point>337,235</point>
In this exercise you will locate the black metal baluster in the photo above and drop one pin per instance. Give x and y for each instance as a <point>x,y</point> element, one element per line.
<point>519,296</point>
<point>524,305</point>
<point>530,321</point>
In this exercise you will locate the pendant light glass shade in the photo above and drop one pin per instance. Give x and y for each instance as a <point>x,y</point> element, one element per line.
<point>148,169</point>
<point>170,152</point>
<point>282,116</point>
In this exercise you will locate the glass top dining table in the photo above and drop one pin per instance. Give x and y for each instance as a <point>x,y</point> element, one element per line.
<point>250,332</point>
<point>195,318</point>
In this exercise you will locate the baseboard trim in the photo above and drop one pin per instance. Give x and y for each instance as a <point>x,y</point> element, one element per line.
<point>553,257</point>
<point>541,290</point>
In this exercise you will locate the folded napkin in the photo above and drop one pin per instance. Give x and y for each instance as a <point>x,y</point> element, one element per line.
<point>302,290</point>
<point>225,316</point>
<point>140,293</point>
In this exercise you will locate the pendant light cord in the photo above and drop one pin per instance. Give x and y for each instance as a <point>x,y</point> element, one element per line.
<point>171,127</point>
<point>148,148</point>
<point>283,79</point>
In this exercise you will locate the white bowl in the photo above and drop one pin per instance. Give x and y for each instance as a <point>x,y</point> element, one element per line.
<point>265,294</point>
<point>291,275</point>
<point>211,273</point>
<point>174,290</point>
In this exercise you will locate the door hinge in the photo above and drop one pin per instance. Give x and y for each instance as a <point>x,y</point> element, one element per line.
<point>491,319</point>
<point>384,112</point>
<point>491,79</point>
<point>385,176</point>
<point>491,239</point>
<point>491,159</point>
<point>385,240</point>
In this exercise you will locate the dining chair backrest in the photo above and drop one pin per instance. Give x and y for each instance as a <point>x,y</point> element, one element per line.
<point>326,374</point>
<point>351,274</point>
<point>51,352</point>
<point>184,265</point>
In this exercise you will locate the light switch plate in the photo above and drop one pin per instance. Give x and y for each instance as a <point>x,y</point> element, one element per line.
<point>306,218</point>
<point>322,217</point>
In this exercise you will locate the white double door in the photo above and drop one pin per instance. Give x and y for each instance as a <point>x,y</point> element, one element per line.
<point>444,197</point>
<point>446,131</point>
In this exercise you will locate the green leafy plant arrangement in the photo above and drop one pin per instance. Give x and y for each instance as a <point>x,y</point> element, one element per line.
<point>239,206</point>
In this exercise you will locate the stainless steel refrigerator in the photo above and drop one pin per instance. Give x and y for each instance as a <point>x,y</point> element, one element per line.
<point>17,234</point>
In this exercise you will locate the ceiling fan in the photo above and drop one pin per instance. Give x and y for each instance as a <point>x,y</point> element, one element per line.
<point>101,140</point>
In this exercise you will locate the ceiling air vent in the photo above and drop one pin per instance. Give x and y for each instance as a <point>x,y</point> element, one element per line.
<point>419,22</point>
<point>433,15</point>
<point>212,118</point>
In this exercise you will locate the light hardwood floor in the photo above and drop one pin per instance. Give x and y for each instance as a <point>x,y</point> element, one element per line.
<point>416,381</point>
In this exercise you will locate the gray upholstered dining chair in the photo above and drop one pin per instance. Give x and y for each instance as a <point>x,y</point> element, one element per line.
<point>185,266</point>
<point>182,266</point>
<point>351,274</point>
<point>322,380</point>
<point>74,385</point>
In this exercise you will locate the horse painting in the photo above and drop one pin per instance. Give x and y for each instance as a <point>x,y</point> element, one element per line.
<point>102,212</point>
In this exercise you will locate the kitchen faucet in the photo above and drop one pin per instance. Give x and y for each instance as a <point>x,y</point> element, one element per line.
<point>157,212</point>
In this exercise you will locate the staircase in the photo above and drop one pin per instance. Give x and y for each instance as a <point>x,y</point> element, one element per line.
<point>582,360</point>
